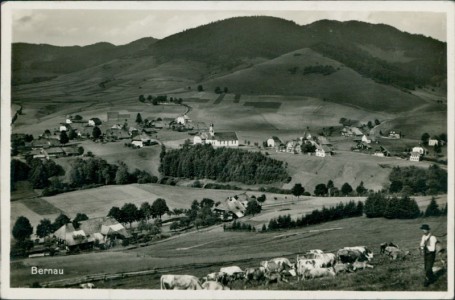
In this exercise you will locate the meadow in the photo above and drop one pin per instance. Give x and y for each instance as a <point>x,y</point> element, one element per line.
<point>201,252</point>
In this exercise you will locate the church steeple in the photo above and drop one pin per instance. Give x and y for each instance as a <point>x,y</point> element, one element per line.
<point>211,130</point>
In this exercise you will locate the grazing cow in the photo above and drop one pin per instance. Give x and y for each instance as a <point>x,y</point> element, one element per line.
<point>255,274</point>
<point>325,260</point>
<point>274,277</point>
<point>343,268</point>
<point>390,249</point>
<point>303,265</point>
<point>231,273</point>
<point>285,265</point>
<point>361,265</point>
<point>88,285</point>
<point>320,272</point>
<point>214,286</point>
<point>395,253</point>
<point>350,256</point>
<point>383,247</point>
<point>215,276</point>
<point>362,249</point>
<point>179,282</point>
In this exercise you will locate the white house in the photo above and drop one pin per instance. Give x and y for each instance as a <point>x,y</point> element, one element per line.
<point>64,127</point>
<point>432,142</point>
<point>94,122</point>
<point>68,121</point>
<point>415,156</point>
<point>394,135</point>
<point>273,142</point>
<point>323,151</point>
<point>378,153</point>
<point>217,139</point>
<point>365,139</point>
<point>420,150</point>
<point>182,119</point>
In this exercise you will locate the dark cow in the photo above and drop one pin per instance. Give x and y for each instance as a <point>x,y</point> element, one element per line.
<point>384,245</point>
<point>255,274</point>
<point>350,256</point>
<point>179,282</point>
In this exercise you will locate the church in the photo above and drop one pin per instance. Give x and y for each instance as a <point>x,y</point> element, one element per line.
<point>217,139</point>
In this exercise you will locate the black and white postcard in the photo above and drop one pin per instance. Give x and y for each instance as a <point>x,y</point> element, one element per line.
<point>229,150</point>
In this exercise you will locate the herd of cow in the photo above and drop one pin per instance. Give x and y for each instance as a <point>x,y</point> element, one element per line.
<point>310,265</point>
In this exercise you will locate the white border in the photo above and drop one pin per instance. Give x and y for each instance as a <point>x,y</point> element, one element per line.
<point>405,6</point>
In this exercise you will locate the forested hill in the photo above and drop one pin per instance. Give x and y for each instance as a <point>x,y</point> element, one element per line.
<point>37,62</point>
<point>378,51</point>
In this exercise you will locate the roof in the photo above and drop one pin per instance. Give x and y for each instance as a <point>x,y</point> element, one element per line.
<point>71,150</point>
<point>225,136</point>
<point>276,139</point>
<point>54,150</point>
<point>356,131</point>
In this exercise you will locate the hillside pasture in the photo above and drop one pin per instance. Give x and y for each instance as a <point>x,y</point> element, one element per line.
<point>201,252</point>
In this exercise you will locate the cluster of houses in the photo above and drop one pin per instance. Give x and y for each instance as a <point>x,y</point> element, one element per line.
<point>102,231</point>
<point>322,145</point>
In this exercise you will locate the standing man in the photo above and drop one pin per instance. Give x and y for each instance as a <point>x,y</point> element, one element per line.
<point>428,249</point>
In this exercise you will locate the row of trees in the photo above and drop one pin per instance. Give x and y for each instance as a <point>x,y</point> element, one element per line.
<point>130,213</point>
<point>222,164</point>
<point>380,205</point>
<point>36,171</point>
<point>418,181</point>
<point>239,226</point>
<point>160,99</point>
<point>330,189</point>
<point>199,214</point>
<point>340,211</point>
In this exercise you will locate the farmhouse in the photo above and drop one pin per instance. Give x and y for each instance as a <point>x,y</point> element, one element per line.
<point>183,120</point>
<point>351,131</point>
<point>433,142</point>
<point>217,139</point>
<point>64,127</point>
<point>394,134</point>
<point>420,150</point>
<point>94,122</point>
<point>323,151</point>
<point>53,152</point>
<point>273,142</point>
<point>365,139</point>
<point>141,140</point>
<point>415,156</point>
<point>103,229</point>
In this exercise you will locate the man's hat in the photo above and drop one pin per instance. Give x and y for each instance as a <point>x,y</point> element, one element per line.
<point>425,227</point>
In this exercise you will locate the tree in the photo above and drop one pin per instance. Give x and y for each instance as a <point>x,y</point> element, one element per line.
<point>64,138</point>
<point>360,189</point>
<point>96,132</point>
<point>308,148</point>
<point>72,134</point>
<point>22,229</point>
<point>80,150</point>
<point>155,101</point>
<point>217,90</point>
<point>79,217</point>
<point>122,175</point>
<point>225,90</point>
<point>44,228</point>
<point>129,213</point>
<point>206,202</point>
<point>200,88</point>
<point>116,213</point>
<point>346,189</point>
<point>376,122</point>
<point>432,209</point>
<point>149,98</point>
<point>425,138</point>
<point>297,190</point>
<point>396,186</point>
<point>60,221</point>
<point>320,190</point>
<point>159,207</point>
<point>146,209</point>
<point>330,187</point>
<point>77,117</point>
<point>142,98</point>
<point>38,176</point>
<point>261,198</point>
<point>370,124</point>
<point>138,118</point>
<point>253,207</point>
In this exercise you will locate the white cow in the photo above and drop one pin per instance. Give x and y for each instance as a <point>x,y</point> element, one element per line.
<point>214,286</point>
<point>179,282</point>
<point>324,260</point>
<point>88,285</point>
<point>303,265</point>
<point>362,249</point>
<point>320,272</point>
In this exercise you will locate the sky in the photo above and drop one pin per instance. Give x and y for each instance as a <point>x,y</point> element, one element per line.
<point>67,27</point>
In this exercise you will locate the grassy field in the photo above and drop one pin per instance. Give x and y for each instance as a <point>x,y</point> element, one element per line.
<point>201,252</point>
